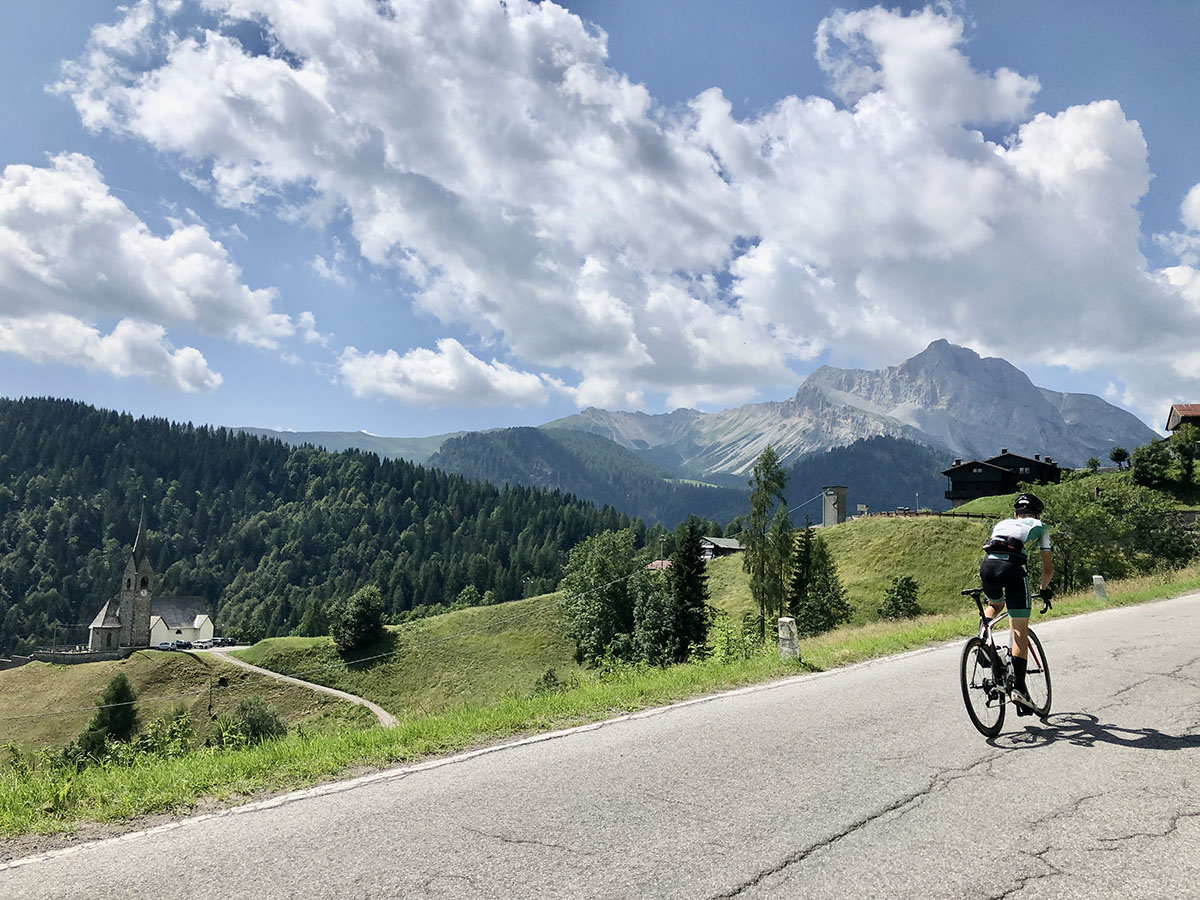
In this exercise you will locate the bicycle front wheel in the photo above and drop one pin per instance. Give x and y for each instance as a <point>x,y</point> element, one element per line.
<point>1037,677</point>
<point>984,698</point>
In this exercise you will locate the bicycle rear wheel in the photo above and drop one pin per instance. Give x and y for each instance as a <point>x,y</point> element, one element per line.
<point>983,697</point>
<point>1037,677</point>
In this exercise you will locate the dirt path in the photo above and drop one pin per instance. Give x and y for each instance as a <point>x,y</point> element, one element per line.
<point>386,719</point>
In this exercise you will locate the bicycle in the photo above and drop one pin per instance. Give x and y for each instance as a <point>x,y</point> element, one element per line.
<point>987,675</point>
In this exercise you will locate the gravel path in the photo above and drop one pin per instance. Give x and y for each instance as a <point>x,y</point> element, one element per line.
<point>386,719</point>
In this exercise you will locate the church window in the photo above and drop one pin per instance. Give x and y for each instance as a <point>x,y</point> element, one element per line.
<point>145,581</point>
<point>128,583</point>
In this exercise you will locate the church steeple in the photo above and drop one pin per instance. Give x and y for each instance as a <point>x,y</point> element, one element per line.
<point>140,546</point>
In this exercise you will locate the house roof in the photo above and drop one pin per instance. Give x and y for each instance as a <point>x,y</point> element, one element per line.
<point>723,543</point>
<point>972,463</point>
<point>1181,411</point>
<point>1017,457</point>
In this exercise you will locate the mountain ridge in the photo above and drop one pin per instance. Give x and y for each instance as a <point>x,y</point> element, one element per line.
<point>947,398</point>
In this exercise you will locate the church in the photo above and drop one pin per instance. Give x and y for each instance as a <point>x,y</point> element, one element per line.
<point>136,618</point>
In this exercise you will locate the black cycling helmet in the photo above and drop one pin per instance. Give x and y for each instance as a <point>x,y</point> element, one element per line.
<point>1028,504</point>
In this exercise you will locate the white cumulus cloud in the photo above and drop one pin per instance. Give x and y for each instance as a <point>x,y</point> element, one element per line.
<point>449,376</point>
<point>536,197</point>
<point>131,349</point>
<point>72,255</point>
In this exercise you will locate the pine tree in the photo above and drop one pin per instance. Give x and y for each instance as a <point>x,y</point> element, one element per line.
<point>780,550</point>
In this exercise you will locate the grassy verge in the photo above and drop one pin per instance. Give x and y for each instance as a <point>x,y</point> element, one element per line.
<point>45,801</point>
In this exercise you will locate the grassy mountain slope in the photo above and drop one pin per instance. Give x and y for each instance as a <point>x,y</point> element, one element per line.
<point>484,654</point>
<point>479,655</point>
<point>941,553</point>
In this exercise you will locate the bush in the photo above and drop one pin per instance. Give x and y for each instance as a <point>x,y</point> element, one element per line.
<point>731,642</point>
<point>900,600</point>
<point>252,721</point>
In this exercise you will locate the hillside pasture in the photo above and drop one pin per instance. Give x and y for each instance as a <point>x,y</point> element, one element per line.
<point>44,706</point>
<point>480,654</point>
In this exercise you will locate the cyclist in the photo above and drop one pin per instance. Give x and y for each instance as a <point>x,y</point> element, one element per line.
<point>1003,575</point>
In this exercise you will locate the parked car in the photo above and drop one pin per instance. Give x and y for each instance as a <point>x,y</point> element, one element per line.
<point>165,645</point>
<point>224,641</point>
<point>183,645</point>
<point>202,644</point>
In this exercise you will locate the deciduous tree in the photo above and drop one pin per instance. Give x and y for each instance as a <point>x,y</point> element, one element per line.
<point>767,481</point>
<point>1185,446</point>
<point>357,621</point>
<point>900,600</point>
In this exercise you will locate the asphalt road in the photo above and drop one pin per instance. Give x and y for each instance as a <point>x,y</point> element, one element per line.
<point>863,782</point>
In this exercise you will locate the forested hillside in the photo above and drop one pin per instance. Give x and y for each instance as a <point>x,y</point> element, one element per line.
<point>589,466</point>
<point>880,472</point>
<point>264,532</point>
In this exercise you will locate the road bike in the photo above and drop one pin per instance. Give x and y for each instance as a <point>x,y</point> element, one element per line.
<point>987,674</point>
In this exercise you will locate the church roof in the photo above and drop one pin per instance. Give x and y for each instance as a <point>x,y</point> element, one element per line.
<point>179,612</point>
<point>108,616</point>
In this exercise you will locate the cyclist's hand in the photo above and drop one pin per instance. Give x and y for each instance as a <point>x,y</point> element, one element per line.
<point>1044,595</point>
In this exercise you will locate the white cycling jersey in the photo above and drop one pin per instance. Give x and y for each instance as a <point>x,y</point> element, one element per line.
<point>1024,530</point>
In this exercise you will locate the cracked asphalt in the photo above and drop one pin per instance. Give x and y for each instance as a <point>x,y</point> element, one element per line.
<point>863,782</point>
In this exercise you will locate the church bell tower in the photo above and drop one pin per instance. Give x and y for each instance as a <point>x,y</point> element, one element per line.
<point>137,590</point>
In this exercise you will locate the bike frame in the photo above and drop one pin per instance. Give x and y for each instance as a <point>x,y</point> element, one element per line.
<point>987,627</point>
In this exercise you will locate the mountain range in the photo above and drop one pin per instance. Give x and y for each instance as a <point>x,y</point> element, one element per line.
<point>946,397</point>
<point>944,403</point>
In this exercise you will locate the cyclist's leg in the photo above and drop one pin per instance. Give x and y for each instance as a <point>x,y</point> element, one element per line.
<point>990,578</point>
<point>1017,594</point>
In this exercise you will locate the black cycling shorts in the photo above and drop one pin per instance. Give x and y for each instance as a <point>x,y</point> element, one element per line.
<point>1003,579</point>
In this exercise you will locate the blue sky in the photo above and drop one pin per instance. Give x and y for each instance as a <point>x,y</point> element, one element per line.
<point>433,216</point>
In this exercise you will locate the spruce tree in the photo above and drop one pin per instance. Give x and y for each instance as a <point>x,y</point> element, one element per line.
<point>817,600</point>
<point>689,587</point>
<point>116,718</point>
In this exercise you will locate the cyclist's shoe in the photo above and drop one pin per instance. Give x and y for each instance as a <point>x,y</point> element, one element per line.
<point>1022,702</point>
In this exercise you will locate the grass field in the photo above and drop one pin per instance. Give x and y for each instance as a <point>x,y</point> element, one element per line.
<point>484,653</point>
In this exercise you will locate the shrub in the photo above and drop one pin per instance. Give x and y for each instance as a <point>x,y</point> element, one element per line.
<point>900,600</point>
<point>731,642</point>
<point>252,721</point>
